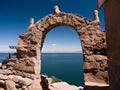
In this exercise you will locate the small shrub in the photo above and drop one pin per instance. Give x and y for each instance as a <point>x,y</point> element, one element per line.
<point>55,79</point>
<point>36,89</point>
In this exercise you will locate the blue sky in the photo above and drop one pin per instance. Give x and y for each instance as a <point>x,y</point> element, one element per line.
<point>15,14</point>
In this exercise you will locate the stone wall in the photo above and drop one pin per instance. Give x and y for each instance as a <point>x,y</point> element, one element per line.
<point>26,62</point>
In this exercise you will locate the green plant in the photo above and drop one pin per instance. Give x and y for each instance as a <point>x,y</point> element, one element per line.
<point>55,79</point>
<point>36,89</point>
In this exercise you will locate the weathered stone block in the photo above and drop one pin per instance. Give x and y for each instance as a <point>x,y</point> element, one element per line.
<point>25,81</point>
<point>3,77</point>
<point>5,72</point>
<point>24,74</point>
<point>2,88</point>
<point>2,82</point>
<point>24,67</point>
<point>10,85</point>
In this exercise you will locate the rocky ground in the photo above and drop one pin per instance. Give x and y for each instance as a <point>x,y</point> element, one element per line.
<point>13,82</point>
<point>63,86</point>
<point>9,81</point>
<point>48,85</point>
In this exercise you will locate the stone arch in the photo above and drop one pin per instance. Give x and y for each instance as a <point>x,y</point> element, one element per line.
<point>93,42</point>
<point>63,19</point>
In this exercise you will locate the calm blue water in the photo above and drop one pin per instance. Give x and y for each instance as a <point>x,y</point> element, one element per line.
<point>66,66</point>
<point>3,55</point>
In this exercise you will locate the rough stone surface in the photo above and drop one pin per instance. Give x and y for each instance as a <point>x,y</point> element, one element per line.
<point>63,86</point>
<point>3,77</point>
<point>26,62</point>
<point>15,82</point>
<point>2,88</point>
<point>25,81</point>
<point>92,38</point>
<point>2,82</point>
<point>10,85</point>
<point>6,72</point>
<point>48,85</point>
<point>24,88</point>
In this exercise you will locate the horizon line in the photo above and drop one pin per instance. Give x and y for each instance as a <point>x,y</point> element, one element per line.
<point>46,52</point>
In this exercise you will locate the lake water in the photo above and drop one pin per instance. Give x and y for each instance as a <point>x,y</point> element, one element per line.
<point>65,66</point>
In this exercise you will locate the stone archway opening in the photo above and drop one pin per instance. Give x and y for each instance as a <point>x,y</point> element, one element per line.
<point>62,55</point>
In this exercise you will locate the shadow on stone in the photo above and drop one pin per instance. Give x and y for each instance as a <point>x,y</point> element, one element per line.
<point>44,83</point>
<point>96,88</point>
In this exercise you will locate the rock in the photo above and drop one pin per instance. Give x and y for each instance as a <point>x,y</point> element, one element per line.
<point>2,82</point>
<point>20,80</point>
<point>10,85</point>
<point>31,62</point>
<point>36,84</point>
<point>45,82</point>
<point>18,85</point>
<point>10,68</point>
<point>103,75</point>
<point>96,58</point>
<point>90,65</point>
<point>96,84</point>
<point>2,88</point>
<point>24,87</point>
<point>96,87</point>
<point>63,86</point>
<point>19,88</point>
<point>24,67</point>
<point>10,63</point>
<point>5,72</point>
<point>99,57</point>
<point>0,65</point>
<point>49,80</point>
<point>24,74</point>
<point>25,81</point>
<point>15,78</point>
<point>3,77</point>
<point>4,67</point>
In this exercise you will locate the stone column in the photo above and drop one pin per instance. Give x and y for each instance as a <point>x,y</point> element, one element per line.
<point>112,20</point>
